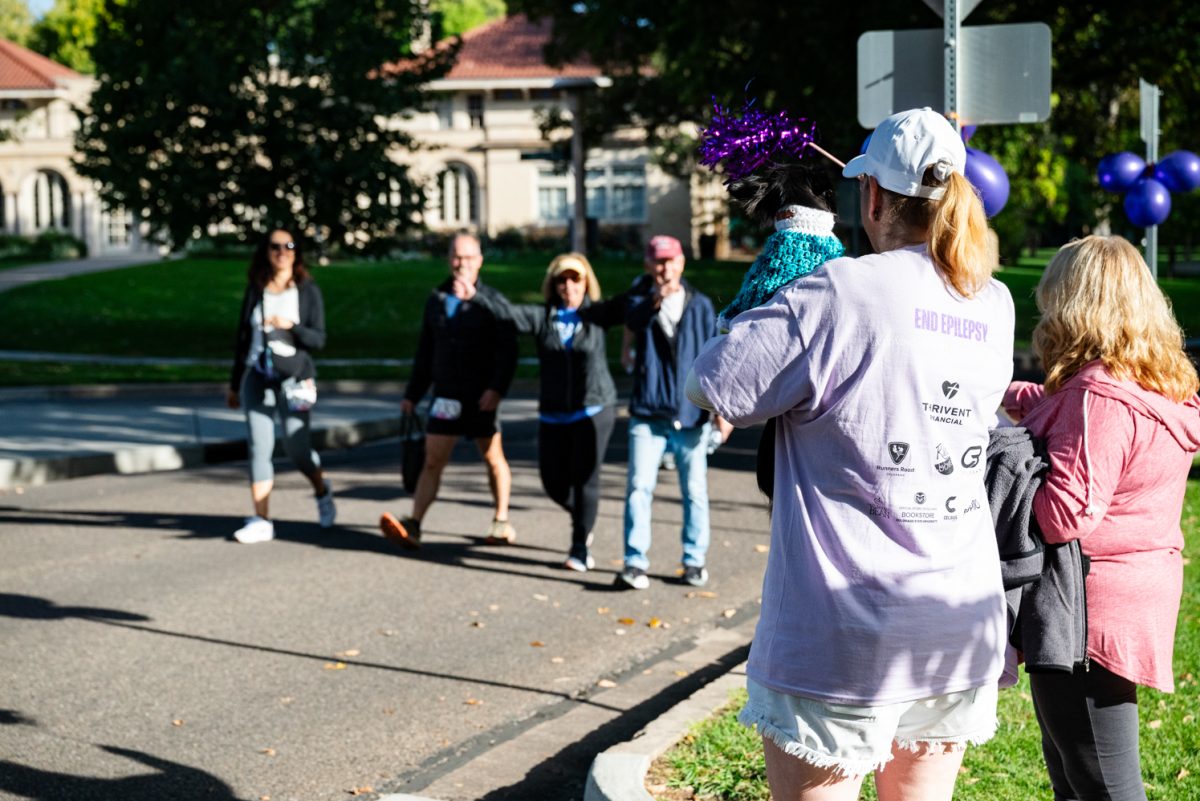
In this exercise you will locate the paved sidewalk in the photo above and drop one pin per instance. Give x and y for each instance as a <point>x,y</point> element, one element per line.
<point>55,270</point>
<point>52,438</point>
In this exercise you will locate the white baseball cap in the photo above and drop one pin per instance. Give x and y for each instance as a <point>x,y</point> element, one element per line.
<point>904,146</point>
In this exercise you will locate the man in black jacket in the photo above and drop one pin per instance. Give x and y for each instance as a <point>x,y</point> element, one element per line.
<point>468,357</point>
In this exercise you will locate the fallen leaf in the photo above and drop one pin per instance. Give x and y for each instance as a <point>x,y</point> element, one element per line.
<point>474,613</point>
<point>472,702</point>
<point>287,699</point>
<point>728,613</point>
<point>360,790</point>
<point>537,596</point>
<point>626,621</point>
<point>267,751</point>
<point>493,607</point>
<point>1188,718</point>
<point>762,548</point>
<point>617,562</point>
<point>388,632</point>
<point>537,644</point>
<point>606,683</point>
<point>335,665</point>
<point>558,660</point>
<point>478,624</point>
<point>264,798</point>
<point>1154,724</point>
<point>177,722</point>
<point>389,711</point>
<point>701,594</point>
<point>654,623</point>
<point>346,654</point>
<point>618,631</point>
<point>1182,774</point>
<point>681,673</point>
<point>602,610</point>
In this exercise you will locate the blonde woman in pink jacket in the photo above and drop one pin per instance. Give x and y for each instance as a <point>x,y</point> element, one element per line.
<point>1121,421</point>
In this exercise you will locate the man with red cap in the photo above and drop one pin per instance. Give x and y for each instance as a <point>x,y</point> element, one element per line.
<point>669,325</point>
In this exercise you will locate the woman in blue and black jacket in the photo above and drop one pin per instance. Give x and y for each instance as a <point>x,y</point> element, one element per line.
<point>577,396</point>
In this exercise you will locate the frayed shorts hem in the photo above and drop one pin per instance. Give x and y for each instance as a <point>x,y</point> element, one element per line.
<point>839,766</point>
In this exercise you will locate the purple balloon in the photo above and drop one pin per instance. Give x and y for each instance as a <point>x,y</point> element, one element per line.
<point>1120,171</point>
<point>1179,171</point>
<point>967,132</point>
<point>1147,203</point>
<point>989,179</point>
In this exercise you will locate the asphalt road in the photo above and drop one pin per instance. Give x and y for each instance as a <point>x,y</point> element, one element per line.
<point>145,655</point>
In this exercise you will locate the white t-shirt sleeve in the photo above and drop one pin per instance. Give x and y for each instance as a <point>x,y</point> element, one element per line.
<point>765,366</point>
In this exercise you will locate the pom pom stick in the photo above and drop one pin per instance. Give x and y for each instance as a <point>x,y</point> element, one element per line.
<point>744,143</point>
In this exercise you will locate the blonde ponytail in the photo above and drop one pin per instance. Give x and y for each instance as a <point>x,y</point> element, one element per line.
<point>960,242</point>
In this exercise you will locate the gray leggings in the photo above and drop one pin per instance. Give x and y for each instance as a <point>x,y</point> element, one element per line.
<point>262,401</point>
<point>1089,723</point>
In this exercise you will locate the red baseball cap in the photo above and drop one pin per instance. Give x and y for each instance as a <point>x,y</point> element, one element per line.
<point>663,247</point>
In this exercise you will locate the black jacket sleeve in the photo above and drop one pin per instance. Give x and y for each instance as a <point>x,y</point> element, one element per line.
<point>310,333</point>
<point>607,313</point>
<point>526,318</point>
<point>640,312</point>
<point>506,356</point>
<point>241,346</point>
<point>422,372</point>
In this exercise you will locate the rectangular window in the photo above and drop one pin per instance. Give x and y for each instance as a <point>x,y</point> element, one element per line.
<point>475,110</point>
<point>507,94</point>
<point>544,94</point>
<point>615,193</point>
<point>552,204</point>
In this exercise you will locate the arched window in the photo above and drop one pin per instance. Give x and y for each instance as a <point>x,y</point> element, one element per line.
<point>456,196</point>
<point>47,201</point>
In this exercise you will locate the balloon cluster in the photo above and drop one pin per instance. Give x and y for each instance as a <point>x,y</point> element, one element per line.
<point>985,174</point>
<point>1148,187</point>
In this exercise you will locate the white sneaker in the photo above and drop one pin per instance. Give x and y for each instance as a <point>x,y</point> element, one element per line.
<point>326,509</point>
<point>257,529</point>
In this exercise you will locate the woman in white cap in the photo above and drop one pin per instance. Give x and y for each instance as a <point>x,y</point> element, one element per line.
<point>577,396</point>
<point>882,630</point>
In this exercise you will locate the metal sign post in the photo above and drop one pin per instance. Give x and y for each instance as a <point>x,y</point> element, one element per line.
<point>1149,119</point>
<point>951,31</point>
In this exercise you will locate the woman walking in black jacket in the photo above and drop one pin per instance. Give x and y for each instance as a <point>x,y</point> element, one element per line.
<point>577,395</point>
<point>282,321</point>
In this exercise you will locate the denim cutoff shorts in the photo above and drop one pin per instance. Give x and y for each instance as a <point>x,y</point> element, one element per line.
<point>857,740</point>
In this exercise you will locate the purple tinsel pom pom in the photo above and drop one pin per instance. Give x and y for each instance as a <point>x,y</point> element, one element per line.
<point>744,143</point>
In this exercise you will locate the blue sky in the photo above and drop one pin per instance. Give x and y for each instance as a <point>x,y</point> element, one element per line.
<point>40,7</point>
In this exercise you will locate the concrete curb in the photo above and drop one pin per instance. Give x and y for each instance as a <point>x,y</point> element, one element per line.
<point>28,472</point>
<point>619,774</point>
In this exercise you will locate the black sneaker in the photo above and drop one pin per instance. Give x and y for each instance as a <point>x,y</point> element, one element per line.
<point>633,578</point>
<point>696,576</point>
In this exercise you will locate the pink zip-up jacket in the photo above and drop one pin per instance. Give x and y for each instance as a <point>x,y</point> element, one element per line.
<point>1119,460</point>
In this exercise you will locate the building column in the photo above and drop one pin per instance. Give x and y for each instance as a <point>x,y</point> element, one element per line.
<point>10,213</point>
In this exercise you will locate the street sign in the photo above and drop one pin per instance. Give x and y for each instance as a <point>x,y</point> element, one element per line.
<point>1004,73</point>
<point>965,7</point>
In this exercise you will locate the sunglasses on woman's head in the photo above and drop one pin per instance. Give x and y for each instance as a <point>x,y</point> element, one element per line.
<point>279,247</point>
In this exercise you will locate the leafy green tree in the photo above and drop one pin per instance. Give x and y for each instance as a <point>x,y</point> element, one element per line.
<point>670,57</point>
<point>67,32</point>
<point>253,114</point>
<point>460,16</point>
<point>15,21</point>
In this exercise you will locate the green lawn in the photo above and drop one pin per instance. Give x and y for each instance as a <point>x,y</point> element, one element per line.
<point>188,308</point>
<point>8,264</point>
<point>723,761</point>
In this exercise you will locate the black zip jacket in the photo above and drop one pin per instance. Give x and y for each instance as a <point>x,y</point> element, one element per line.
<point>573,379</point>
<point>1044,584</point>
<point>308,335</point>
<point>461,356</point>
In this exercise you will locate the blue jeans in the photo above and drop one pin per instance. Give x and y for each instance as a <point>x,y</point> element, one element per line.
<point>648,439</point>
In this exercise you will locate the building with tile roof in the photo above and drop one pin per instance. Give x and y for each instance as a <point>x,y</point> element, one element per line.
<point>39,188</point>
<point>491,169</point>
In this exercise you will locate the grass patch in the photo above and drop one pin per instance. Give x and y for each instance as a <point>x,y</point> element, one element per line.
<point>189,307</point>
<point>722,760</point>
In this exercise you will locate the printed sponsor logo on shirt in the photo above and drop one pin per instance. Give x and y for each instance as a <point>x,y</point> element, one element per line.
<point>919,497</point>
<point>971,507</point>
<point>897,452</point>
<point>942,461</point>
<point>951,507</point>
<point>971,456</point>
<point>945,412</point>
<point>879,508</point>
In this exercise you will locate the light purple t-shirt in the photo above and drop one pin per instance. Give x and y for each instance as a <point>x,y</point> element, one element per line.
<point>883,580</point>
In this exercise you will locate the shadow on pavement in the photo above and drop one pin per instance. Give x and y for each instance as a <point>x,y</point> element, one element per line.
<point>169,780</point>
<point>28,607</point>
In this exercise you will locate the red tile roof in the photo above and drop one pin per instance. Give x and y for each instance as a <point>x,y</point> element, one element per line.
<point>21,68</point>
<point>512,47</point>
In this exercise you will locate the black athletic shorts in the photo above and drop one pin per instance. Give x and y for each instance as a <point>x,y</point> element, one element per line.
<point>471,423</point>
